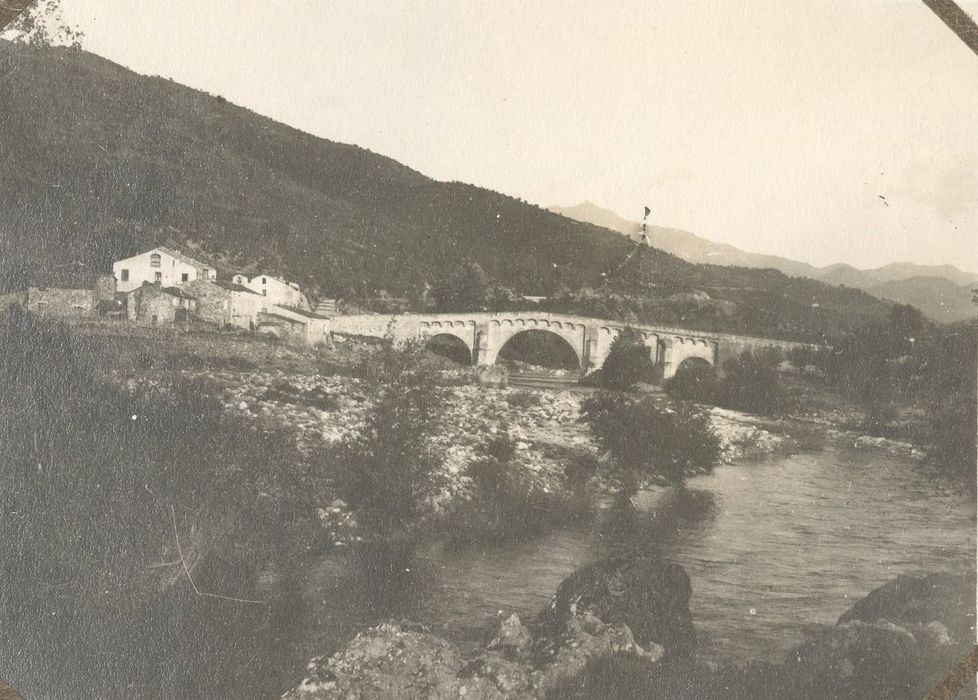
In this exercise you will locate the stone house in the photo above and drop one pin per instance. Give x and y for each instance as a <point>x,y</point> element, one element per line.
<point>163,266</point>
<point>156,305</point>
<point>71,296</point>
<point>294,324</point>
<point>274,291</point>
<point>225,303</point>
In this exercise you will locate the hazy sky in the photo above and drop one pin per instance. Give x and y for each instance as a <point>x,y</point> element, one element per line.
<point>773,125</point>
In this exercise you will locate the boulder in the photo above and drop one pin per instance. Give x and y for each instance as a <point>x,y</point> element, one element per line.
<point>648,595</point>
<point>898,642</point>
<point>392,661</point>
<point>587,638</point>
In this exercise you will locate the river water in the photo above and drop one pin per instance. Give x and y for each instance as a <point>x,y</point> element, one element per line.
<point>771,548</point>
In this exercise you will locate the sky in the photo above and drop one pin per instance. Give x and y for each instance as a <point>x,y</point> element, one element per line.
<point>820,130</point>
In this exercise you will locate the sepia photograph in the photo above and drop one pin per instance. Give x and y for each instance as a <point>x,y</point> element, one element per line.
<point>545,349</point>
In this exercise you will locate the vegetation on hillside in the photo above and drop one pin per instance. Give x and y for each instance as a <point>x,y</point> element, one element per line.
<point>100,162</point>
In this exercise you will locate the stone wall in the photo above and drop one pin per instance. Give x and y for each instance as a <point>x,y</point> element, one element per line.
<point>60,303</point>
<point>213,302</point>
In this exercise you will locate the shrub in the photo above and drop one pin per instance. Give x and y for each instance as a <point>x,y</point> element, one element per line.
<point>524,398</point>
<point>506,504</point>
<point>751,384</point>
<point>951,436</point>
<point>386,470</point>
<point>102,483</point>
<point>648,441</point>
<point>628,362</point>
<point>694,381</point>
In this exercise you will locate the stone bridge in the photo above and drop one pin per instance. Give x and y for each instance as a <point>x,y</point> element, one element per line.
<point>485,333</point>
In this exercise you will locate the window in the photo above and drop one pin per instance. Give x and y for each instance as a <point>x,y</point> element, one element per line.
<point>124,274</point>
<point>185,277</point>
<point>263,280</point>
<point>264,292</point>
<point>154,260</point>
<point>158,277</point>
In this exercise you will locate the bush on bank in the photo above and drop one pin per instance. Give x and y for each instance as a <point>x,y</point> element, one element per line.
<point>647,441</point>
<point>505,504</point>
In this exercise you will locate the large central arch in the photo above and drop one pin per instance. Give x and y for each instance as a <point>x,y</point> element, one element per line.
<point>501,330</point>
<point>540,347</point>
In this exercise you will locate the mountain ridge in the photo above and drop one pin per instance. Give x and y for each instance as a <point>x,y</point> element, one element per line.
<point>697,249</point>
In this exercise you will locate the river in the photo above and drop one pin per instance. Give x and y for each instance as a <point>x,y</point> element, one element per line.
<point>771,548</point>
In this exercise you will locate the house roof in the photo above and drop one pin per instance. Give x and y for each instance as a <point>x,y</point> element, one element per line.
<point>301,312</point>
<point>232,287</point>
<point>172,291</point>
<point>277,316</point>
<point>177,292</point>
<point>175,254</point>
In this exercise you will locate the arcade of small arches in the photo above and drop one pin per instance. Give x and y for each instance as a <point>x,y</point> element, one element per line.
<point>484,335</point>
<point>589,343</point>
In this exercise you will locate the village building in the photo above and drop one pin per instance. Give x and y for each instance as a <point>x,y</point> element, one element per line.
<point>225,303</point>
<point>274,291</point>
<point>294,324</point>
<point>162,266</point>
<point>156,305</point>
<point>63,296</point>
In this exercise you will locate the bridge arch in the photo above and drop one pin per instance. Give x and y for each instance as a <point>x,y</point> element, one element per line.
<point>540,346</point>
<point>502,331</point>
<point>441,331</point>
<point>451,346</point>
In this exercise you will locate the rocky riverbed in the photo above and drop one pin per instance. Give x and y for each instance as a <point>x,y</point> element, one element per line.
<point>545,425</point>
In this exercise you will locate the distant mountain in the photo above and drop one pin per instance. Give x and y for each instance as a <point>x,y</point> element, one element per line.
<point>936,297</point>
<point>941,302</point>
<point>684,244</point>
<point>97,162</point>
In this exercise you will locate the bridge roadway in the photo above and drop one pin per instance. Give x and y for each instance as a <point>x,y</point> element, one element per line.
<point>485,333</point>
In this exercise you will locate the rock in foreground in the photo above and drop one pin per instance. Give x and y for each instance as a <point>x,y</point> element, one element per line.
<point>898,642</point>
<point>650,596</point>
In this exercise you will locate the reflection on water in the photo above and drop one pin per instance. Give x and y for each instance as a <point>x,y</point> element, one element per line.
<point>769,547</point>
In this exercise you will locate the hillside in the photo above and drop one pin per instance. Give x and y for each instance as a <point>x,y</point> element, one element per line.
<point>97,162</point>
<point>937,297</point>
<point>929,297</point>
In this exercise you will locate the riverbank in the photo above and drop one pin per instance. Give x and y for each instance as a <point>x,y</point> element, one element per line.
<point>545,425</point>
<point>622,627</point>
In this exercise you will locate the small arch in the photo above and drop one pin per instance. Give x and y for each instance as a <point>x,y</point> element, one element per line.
<point>449,346</point>
<point>695,370</point>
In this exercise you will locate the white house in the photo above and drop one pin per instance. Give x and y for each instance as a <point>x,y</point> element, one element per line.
<point>160,265</point>
<point>274,291</point>
<point>295,324</point>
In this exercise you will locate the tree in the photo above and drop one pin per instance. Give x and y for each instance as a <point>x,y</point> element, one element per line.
<point>385,471</point>
<point>628,362</point>
<point>40,23</point>
<point>645,441</point>
<point>694,381</point>
<point>466,288</point>
<point>751,384</point>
